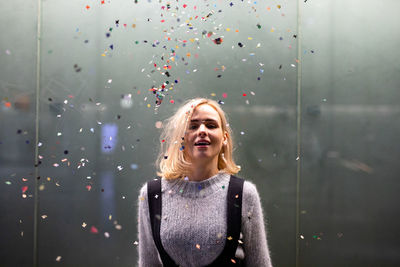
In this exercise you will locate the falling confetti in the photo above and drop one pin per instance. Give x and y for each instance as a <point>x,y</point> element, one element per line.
<point>94,230</point>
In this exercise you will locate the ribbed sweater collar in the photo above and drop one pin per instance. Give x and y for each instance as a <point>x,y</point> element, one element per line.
<point>193,189</point>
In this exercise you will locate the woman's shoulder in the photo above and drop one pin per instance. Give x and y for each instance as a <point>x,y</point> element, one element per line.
<point>143,189</point>
<point>250,192</point>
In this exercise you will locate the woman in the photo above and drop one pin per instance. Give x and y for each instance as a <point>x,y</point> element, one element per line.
<point>195,164</point>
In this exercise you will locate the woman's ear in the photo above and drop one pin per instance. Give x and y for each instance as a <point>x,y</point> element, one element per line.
<point>225,138</point>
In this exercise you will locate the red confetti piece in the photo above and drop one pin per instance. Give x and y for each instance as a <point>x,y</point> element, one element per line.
<point>163,20</point>
<point>244,94</point>
<point>88,187</point>
<point>102,2</point>
<point>163,141</point>
<point>94,230</point>
<point>24,189</point>
<point>184,5</point>
<point>7,104</point>
<point>87,7</point>
<point>172,101</point>
<point>224,95</point>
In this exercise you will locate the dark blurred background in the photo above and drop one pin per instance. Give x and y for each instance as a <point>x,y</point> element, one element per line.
<point>311,88</point>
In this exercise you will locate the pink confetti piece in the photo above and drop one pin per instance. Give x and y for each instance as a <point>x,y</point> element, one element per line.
<point>94,230</point>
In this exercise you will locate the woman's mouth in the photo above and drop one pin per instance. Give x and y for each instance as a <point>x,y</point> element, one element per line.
<point>202,144</point>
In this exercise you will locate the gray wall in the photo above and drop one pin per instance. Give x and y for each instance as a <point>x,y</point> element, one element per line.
<point>317,130</point>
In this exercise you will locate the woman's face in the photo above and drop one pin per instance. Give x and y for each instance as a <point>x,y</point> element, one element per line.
<point>204,137</point>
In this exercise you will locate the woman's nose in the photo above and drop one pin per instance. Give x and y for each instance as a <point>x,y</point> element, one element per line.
<point>202,129</point>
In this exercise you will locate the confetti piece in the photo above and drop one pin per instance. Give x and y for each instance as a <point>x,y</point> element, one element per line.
<point>24,189</point>
<point>106,234</point>
<point>58,258</point>
<point>218,41</point>
<point>158,124</point>
<point>197,246</point>
<point>84,224</point>
<point>44,216</point>
<point>94,230</point>
<point>134,166</point>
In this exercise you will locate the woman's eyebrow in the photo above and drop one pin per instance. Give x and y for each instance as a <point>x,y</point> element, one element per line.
<point>203,120</point>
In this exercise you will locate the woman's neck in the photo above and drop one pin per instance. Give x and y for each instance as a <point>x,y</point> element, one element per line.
<point>202,173</point>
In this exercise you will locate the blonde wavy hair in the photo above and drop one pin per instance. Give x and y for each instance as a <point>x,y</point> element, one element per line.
<point>171,161</point>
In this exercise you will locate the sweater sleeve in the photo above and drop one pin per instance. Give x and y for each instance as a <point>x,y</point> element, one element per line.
<point>254,235</point>
<point>148,253</point>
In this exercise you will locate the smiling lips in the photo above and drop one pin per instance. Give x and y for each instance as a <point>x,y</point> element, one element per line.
<point>202,143</point>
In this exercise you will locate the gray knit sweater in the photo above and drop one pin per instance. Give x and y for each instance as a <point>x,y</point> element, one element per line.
<point>193,224</point>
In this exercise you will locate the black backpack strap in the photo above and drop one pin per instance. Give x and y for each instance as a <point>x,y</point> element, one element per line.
<point>154,197</point>
<point>234,223</point>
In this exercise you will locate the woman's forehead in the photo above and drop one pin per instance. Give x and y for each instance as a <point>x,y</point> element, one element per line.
<point>204,112</point>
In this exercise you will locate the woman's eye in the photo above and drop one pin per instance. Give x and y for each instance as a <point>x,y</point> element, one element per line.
<point>193,126</point>
<point>212,126</point>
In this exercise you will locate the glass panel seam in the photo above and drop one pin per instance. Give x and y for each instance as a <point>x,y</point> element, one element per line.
<point>298,126</point>
<point>36,196</point>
